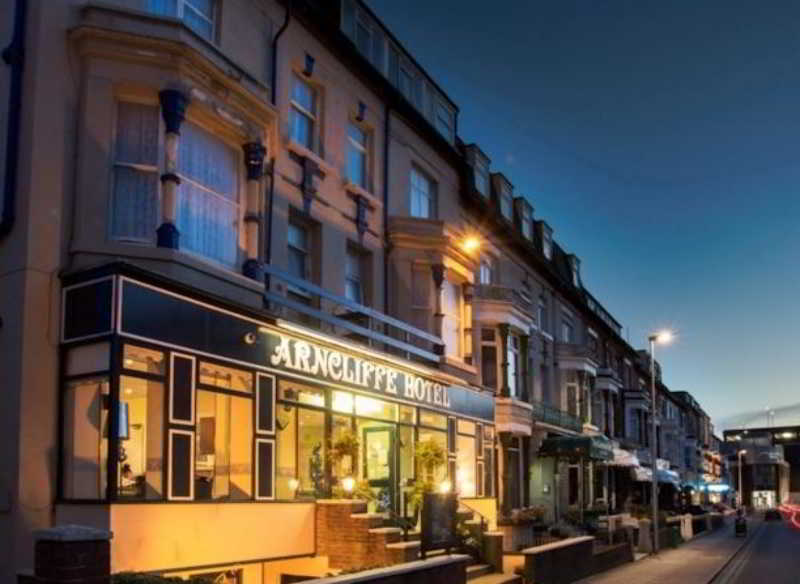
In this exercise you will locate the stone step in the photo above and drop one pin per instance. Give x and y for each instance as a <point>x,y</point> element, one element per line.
<point>386,530</point>
<point>367,516</point>
<point>497,579</point>
<point>403,545</point>
<point>477,570</point>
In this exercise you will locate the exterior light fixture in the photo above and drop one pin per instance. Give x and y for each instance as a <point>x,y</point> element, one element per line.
<point>293,484</point>
<point>471,244</point>
<point>445,486</point>
<point>664,337</point>
<point>348,484</point>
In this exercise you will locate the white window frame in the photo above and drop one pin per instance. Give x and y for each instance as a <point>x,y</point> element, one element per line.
<point>298,109</point>
<point>363,150</point>
<point>430,196</point>
<point>513,358</point>
<point>487,270</point>
<point>458,314</point>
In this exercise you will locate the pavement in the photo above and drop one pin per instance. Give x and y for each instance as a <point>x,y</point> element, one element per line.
<point>695,562</point>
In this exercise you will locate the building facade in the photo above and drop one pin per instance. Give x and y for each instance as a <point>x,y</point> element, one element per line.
<point>257,236</point>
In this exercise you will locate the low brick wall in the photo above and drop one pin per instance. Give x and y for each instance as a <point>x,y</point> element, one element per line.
<point>450,569</point>
<point>561,562</point>
<point>611,557</point>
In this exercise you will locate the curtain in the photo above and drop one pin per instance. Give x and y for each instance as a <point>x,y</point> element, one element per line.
<point>208,212</point>
<point>135,197</point>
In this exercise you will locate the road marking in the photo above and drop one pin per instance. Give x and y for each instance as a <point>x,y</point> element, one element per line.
<point>730,569</point>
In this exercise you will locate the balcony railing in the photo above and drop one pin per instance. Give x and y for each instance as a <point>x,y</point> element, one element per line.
<point>576,351</point>
<point>548,414</point>
<point>315,307</point>
<point>502,294</point>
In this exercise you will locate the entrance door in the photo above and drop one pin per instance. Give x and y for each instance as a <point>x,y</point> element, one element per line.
<point>380,464</point>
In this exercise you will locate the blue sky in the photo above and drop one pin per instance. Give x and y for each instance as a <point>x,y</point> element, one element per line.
<point>661,140</point>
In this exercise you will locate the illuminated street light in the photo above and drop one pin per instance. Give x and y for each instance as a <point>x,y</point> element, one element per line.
<point>471,244</point>
<point>348,484</point>
<point>663,337</point>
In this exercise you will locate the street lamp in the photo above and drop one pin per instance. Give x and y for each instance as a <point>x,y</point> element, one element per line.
<point>741,453</point>
<point>662,337</point>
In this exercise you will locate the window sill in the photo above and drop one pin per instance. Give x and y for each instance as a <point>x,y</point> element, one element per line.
<point>458,364</point>
<point>361,191</point>
<point>302,151</point>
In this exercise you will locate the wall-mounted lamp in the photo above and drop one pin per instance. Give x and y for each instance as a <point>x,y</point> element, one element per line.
<point>445,486</point>
<point>348,484</point>
<point>362,111</point>
<point>309,69</point>
<point>471,244</point>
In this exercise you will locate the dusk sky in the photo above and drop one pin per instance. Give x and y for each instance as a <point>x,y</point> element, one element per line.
<point>661,141</point>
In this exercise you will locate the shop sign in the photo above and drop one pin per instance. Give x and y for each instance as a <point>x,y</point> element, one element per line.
<point>330,364</point>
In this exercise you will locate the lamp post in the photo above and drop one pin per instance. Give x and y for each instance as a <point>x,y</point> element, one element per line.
<point>662,337</point>
<point>741,453</point>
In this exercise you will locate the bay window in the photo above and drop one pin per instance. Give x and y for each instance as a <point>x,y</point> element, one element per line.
<point>422,195</point>
<point>452,333</point>
<point>487,270</point>
<point>208,207</point>
<point>85,438</point>
<point>489,358</point>
<point>514,373</point>
<point>199,15</point>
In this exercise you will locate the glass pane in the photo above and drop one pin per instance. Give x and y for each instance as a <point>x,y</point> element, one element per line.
<point>342,402</point>
<point>225,377</point>
<point>356,165</point>
<point>141,359</point>
<point>241,449</point>
<point>406,438</point>
<point>205,7</point>
<point>340,427</point>
<point>209,161</point>
<point>352,291</point>
<point>304,394</point>
<point>311,452</point>
<point>408,414</point>
<point>439,473</point>
<point>465,465</point>
<point>466,427</point>
<point>303,95</point>
<point>85,439</point>
<point>286,483</point>
<point>297,237</point>
<point>88,359</point>
<point>300,127</point>
<point>296,263</point>
<point>164,7</point>
<point>141,458</point>
<point>489,366</point>
<point>375,408</point>
<point>427,418</point>
<point>137,133</point>
<point>134,204</point>
<point>488,472</point>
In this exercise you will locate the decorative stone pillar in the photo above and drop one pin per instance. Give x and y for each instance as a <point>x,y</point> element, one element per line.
<point>504,329</point>
<point>254,153</point>
<point>505,444</point>
<point>438,271</point>
<point>173,110</point>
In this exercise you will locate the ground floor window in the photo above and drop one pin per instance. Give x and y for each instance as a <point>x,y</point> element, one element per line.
<point>85,438</point>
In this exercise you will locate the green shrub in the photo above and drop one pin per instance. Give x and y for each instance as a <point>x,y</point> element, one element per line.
<point>141,578</point>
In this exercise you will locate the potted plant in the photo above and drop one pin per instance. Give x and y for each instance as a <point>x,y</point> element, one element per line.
<point>430,456</point>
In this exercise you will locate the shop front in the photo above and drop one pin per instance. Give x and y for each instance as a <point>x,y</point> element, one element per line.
<point>192,430</point>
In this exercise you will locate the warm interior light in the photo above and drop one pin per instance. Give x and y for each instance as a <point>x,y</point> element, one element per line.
<point>444,487</point>
<point>293,484</point>
<point>471,244</point>
<point>348,484</point>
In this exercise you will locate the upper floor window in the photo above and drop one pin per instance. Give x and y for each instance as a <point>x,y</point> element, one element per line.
<point>134,214</point>
<point>506,203</point>
<point>481,174</point>
<point>354,275</point>
<point>303,113</point>
<point>422,195</point>
<point>567,329</point>
<point>487,270</point>
<point>299,251</point>
<point>542,315</point>
<point>208,211</point>
<point>196,14</point>
<point>513,366</point>
<point>445,121</point>
<point>489,358</point>
<point>526,218</point>
<point>364,38</point>
<point>406,83</point>
<point>452,333</point>
<point>357,155</point>
<point>547,242</point>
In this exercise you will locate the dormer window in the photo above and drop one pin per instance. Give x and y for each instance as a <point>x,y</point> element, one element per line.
<point>525,217</point>
<point>505,196</point>
<point>480,171</point>
<point>546,235</point>
<point>575,266</point>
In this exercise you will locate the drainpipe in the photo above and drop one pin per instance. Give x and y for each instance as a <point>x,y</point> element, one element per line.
<point>274,97</point>
<point>386,128</point>
<point>13,55</point>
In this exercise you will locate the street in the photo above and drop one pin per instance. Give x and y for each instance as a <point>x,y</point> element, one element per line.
<point>772,554</point>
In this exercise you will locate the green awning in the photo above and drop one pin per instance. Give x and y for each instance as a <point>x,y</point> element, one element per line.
<point>587,447</point>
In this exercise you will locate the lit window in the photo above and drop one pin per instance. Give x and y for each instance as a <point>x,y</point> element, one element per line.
<point>303,113</point>
<point>196,14</point>
<point>208,208</point>
<point>135,199</point>
<point>422,195</point>
<point>354,286</point>
<point>486,275</point>
<point>451,323</point>
<point>357,156</point>
<point>513,366</point>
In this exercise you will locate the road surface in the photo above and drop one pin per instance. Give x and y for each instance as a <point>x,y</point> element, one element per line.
<point>771,557</point>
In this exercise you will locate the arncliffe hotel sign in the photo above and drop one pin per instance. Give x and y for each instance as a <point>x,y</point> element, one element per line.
<point>325,363</point>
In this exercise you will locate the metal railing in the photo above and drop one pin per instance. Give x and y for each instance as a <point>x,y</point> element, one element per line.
<point>318,308</point>
<point>548,414</point>
<point>502,294</point>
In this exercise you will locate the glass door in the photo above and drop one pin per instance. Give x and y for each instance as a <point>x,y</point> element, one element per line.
<point>379,464</point>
